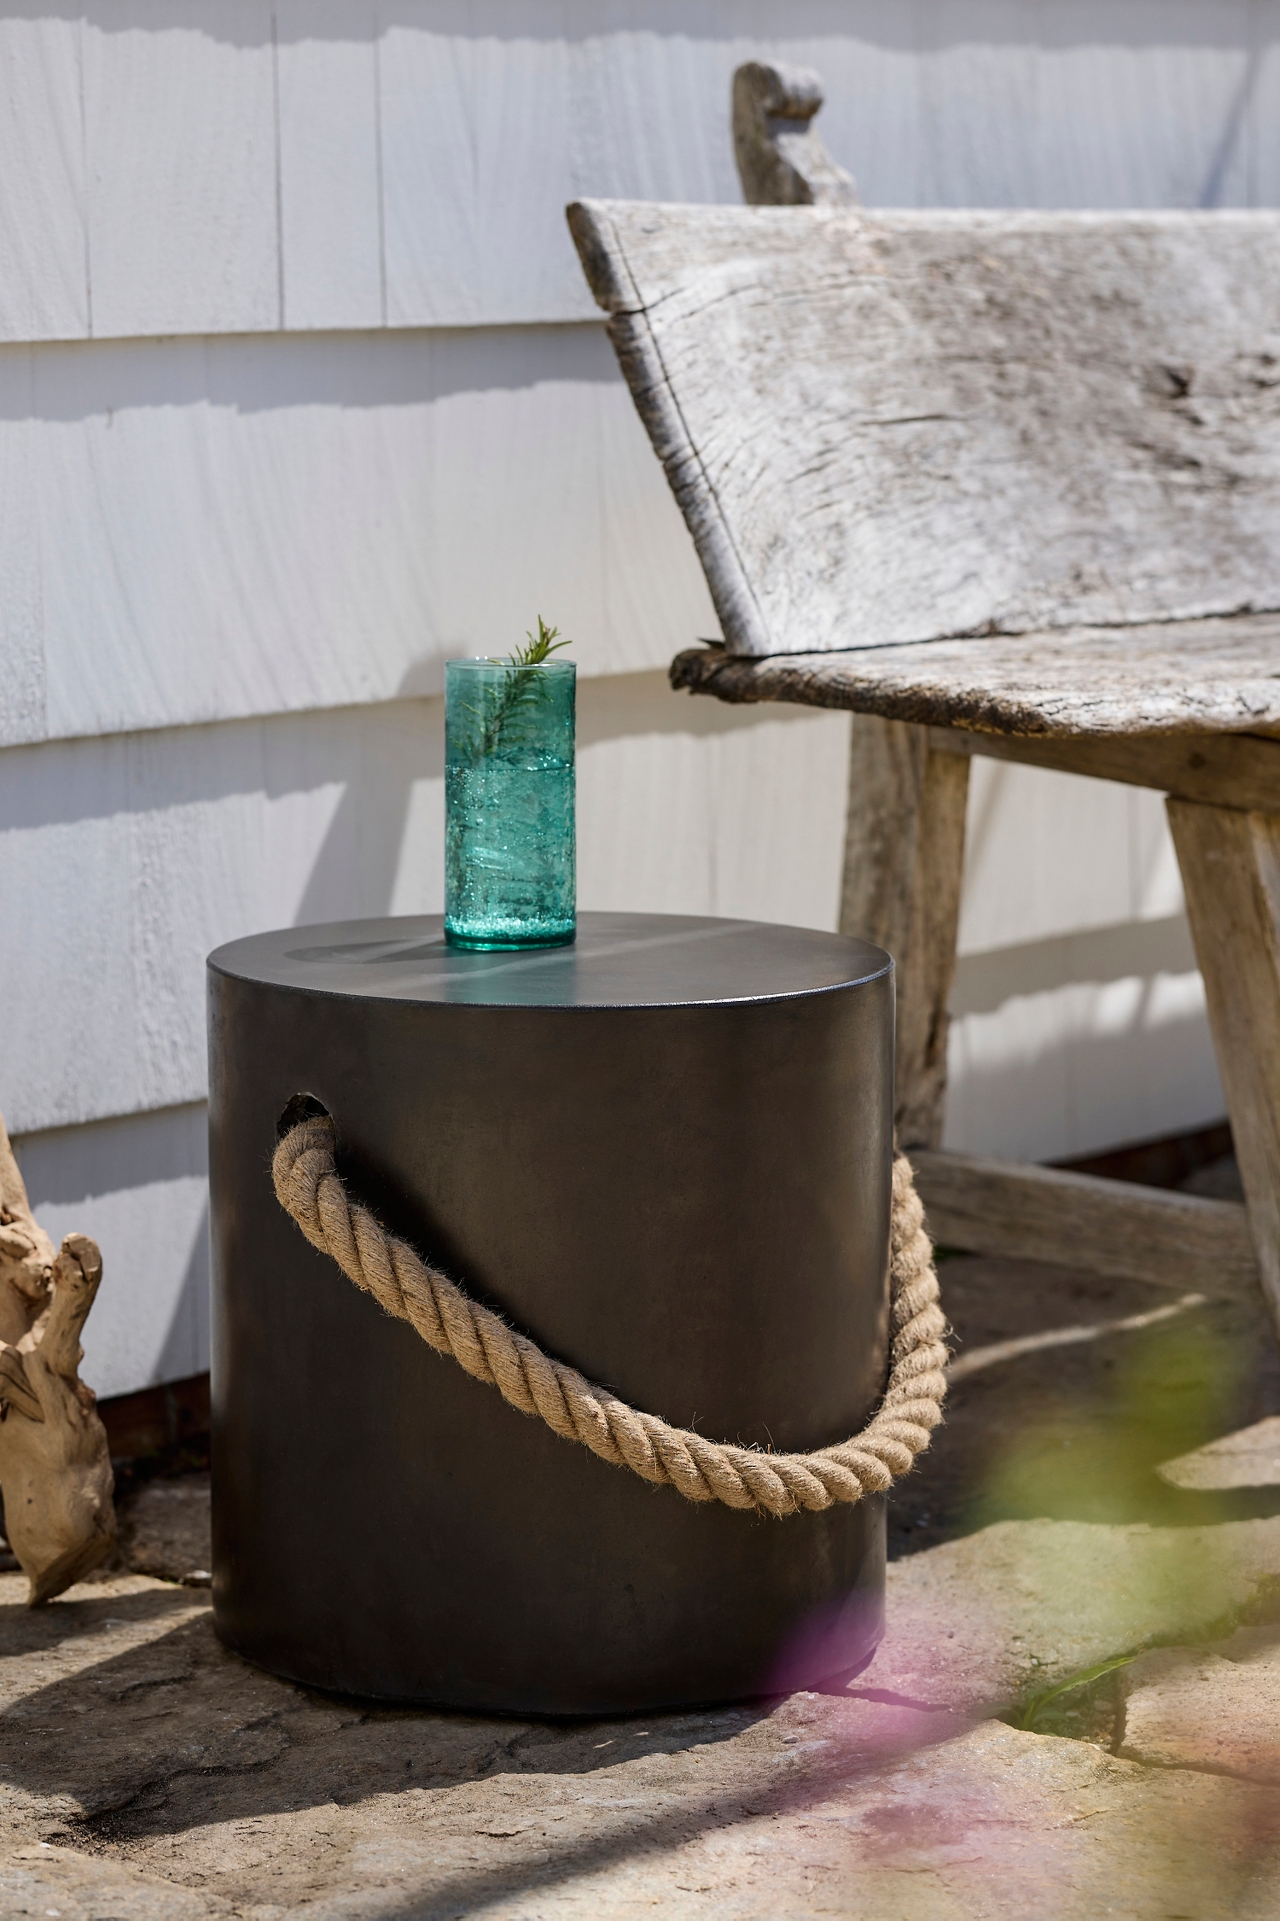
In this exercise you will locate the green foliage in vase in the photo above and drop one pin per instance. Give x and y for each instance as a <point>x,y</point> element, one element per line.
<point>540,646</point>
<point>507,705</point>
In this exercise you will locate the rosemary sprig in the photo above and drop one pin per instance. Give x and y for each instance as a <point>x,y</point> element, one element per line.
<point>546,641</point>
<point>522,689</point>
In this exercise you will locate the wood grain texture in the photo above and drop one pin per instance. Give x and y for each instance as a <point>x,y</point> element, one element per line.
<point>1223,770</point>
<point>330,176</point>
<point>1078,1221</point>
<point>44,289</point>
<point>55,1466</point>
<point>903,858</point>
<point>1231,873</point>
<point>904,826</point>
<point>981,422</point>
<point>1176,677</point>
<point>182,223</point>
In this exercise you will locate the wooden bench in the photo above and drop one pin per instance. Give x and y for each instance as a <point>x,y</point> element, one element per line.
<point>1003,483</point>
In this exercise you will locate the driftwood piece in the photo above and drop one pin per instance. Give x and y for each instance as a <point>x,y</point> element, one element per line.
<point>1134,1233</point>
<point>903,857</point>
<point>55,1465</point>
<point>1175,677</point>
<point>893,427</point>
<point>781,160</point>
<point>1230,865</point>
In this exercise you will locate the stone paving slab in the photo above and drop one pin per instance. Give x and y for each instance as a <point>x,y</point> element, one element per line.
<point>978,1624</point>
<point>1248,1458</point>
<point>43,1880</point>
<point>1215,1709</point>
<point>156,1766</point>
<point>994,1823</point>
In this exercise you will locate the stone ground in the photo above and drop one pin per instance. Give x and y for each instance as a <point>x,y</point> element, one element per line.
<point>1075,1713</point>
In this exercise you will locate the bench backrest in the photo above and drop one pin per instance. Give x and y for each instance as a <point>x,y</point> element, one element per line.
<point>899,426</point>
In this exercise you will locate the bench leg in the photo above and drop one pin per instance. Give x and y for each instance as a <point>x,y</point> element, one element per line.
<point>1231,873</point>
<point>903,859</point>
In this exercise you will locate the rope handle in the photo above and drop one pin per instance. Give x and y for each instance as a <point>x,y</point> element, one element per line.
<point>311,1191</point>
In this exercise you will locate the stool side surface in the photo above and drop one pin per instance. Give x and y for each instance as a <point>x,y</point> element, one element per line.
<point>688,1201</point>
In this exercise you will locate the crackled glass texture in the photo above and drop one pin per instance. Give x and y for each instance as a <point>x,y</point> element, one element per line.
<point>510,869</point>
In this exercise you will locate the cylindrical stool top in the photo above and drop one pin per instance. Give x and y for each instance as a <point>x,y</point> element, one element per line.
<point>664,1153</point>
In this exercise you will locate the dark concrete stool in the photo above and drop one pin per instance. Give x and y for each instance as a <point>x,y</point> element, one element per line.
<point>664,1153</point>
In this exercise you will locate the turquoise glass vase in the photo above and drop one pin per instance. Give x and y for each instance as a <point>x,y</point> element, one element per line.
<point>510,870</point>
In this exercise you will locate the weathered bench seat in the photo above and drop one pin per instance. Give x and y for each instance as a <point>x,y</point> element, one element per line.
<point>1219,675</point>
<point>999,483</point>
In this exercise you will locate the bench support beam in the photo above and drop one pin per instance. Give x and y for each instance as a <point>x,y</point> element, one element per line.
<point>903,860</point>
<point>1230,863</point>
<point>1223,770</point>
<point>1132,1233</point>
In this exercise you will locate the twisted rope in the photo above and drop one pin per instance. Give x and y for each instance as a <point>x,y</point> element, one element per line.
<point>311,1192</point>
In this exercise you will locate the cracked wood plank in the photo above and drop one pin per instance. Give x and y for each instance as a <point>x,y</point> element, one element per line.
<point>1216,675</point>
<point>886,428</point>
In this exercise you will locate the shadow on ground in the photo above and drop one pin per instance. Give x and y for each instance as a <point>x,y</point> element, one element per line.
<point>1074,1430</point>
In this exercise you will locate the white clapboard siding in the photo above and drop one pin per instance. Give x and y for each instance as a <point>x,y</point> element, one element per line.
<point>181,200</point>
<point>1085,103</point>
<point>1078,1043</point>
<point>1050,854</point>
<point>205,529</point>
<point>242,165</point>
<point>136,854</point>
<point>330,166</point>
<point>1078,1014</point>
<point>44,281</point>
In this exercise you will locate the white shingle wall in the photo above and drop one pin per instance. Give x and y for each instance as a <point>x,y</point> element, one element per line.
<point>238,166</point>
<point>301,391</point>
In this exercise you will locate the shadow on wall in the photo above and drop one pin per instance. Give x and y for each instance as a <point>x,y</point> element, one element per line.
<point>369,843</point>
<point>894,28</point>
<point>75,381</point>
<point>1060,1046</point>
<point>186,1346</point>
